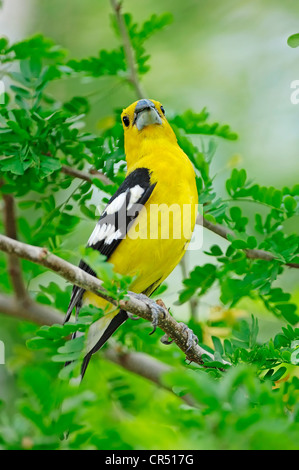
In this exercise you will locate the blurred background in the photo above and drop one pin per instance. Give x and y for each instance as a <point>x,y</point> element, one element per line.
<point>231,57</point>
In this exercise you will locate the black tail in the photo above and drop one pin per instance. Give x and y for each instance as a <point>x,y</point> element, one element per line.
<point>120,318</point>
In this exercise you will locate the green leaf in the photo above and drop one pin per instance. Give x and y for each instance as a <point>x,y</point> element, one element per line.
<point>47,166</point>
<point>290,203</point>
<point>293,40</point>
<point>217,344</point>
<point>288,311</point>
<point>235,213</point>
<point>37,46</point>
<point>199,281</point>
<point>77,105</point>
<point>13,165</point>
<point>68,357</point>
<point>281,341</point>
<point>195,123</point>
<point>3,43</point>
<point>22,133</point>
<point>278,374</point>
<point>251,242</point>
<point>21,91</point>
<point>215,250</point>
<point>72,346</point>
<point>277,198</point>
<point>240,244</point>
<point>39,343</point>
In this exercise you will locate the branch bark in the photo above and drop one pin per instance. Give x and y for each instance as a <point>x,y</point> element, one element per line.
<point>14,265</point>
<point>37,313</point>
<point>133,304</point>
<point>86,176</point>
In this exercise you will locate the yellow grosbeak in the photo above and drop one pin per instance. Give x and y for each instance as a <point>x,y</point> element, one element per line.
<point>148,223</point>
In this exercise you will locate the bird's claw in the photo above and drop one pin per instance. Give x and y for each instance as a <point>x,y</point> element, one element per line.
<point>165,340</point>
<point>155,309</point>
<point>191,337</point>
<point>132,316</point>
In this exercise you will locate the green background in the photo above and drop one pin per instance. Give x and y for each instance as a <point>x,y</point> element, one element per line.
<point>233,58</point>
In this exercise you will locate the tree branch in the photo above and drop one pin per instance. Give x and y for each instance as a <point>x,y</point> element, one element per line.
<point>86,176</point>
<point>14,265</point>
<point>133,304</point>
<point>144,365</point>
<point>250,253</point>
<point>32,311</point>
<point>139,363</point>
<point>129,53</point>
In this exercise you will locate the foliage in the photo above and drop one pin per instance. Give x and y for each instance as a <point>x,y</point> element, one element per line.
<point>252,404</point>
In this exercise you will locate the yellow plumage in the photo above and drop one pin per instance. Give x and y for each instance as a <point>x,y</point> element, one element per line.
<point>147,251</point>
<point>155,148</point>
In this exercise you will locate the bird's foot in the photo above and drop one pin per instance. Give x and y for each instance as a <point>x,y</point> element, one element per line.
<point>191,337</point>
<point>156,309</point>
<point>132,316</point>
<point>165,340</point>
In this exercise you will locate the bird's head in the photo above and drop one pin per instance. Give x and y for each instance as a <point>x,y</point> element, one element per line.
<point>143,122</point>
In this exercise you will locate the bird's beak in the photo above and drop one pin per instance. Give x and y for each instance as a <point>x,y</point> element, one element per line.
<point>146,114</point>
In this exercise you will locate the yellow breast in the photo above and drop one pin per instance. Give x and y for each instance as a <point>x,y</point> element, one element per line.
<point>157,239</point>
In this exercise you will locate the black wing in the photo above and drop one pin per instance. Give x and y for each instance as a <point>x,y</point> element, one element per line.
<point>112,227</point>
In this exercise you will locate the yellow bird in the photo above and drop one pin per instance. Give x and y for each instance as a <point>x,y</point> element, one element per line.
<point>148,223</point>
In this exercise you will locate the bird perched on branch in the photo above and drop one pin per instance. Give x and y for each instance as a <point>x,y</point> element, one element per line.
<point>148,223</point>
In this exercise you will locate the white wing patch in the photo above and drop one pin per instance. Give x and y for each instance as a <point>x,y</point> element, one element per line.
<point>101,232</point>
<point>135,194</point>
<point>108,232</point>
<point>114,236</point>
<point>116,204</point>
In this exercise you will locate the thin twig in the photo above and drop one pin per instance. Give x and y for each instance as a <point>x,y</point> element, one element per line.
<point>250,253</point>
<point>86,176</point>
<point>129,53</point>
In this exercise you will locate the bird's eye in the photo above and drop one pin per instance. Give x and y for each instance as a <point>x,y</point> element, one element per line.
<point>162,109</point>
<point>126,121</point>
